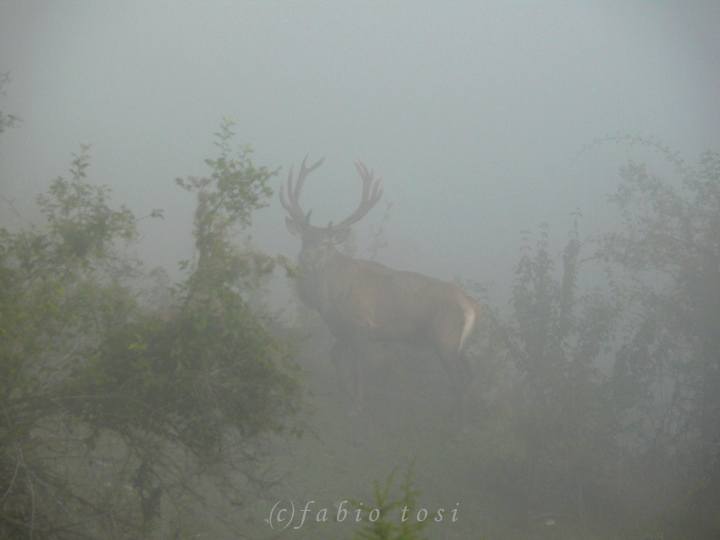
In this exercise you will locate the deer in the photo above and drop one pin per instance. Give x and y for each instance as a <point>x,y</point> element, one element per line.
<point>362,301</point>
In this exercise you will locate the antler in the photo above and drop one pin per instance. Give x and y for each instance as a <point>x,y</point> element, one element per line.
<point>370,196</point>
<point>293,208</point>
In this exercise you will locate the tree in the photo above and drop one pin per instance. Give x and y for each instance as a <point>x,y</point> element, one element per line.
<point>117,412</point>
<point>611,409</point>
<point>557,339</point>
<point>666,261</point>
<point>6,120</point>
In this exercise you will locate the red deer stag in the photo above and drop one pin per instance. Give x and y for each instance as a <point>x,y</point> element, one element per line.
<point>363,301</point>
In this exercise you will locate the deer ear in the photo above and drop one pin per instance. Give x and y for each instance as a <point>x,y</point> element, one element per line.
<point>338,237</point>
<point>293,227</point>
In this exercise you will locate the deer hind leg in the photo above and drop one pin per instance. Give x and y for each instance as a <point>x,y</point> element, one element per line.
<point>458,369</point>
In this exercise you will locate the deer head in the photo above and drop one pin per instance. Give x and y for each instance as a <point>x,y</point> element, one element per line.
<point>318,241</point>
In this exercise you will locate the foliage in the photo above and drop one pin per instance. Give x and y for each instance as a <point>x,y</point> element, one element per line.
<point>117,413</point>
<point>667,373</point>
<point>610,405</point>
<point>62,291</point>
<point>556,340</point>
<point>391,522</point>
<point>6,120</point>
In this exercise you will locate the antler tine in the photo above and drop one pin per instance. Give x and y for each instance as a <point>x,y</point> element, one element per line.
<point>367,178</point>
<point>372,191</point>
<point>293,207</point>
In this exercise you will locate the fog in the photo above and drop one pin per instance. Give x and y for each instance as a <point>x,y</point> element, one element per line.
<point>474,114</point>
<point>478,116</point>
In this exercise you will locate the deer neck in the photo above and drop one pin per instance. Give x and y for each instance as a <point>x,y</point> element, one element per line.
<point>320,278</point>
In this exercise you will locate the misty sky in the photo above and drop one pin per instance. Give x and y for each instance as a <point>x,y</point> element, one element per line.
<point>473,113</point>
